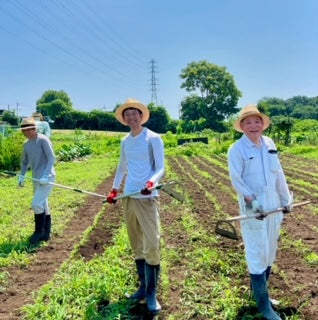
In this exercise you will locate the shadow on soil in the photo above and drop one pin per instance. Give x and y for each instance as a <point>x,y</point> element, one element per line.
<point>251,313</point>
<point>125,309</point>
<point>20,246</point>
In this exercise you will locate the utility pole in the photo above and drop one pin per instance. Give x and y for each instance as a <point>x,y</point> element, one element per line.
<point>153,82</point>
<point>18,108</point>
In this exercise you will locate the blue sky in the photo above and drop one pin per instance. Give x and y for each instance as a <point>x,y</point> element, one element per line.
<point>99,51</point>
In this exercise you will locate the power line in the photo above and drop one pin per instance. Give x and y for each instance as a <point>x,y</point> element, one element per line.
<point>67,46</point>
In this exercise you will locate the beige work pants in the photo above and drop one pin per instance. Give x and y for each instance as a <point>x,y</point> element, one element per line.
<point>143,226</point>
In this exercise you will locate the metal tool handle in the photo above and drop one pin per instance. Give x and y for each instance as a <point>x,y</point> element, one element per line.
<point>265,213</point>
<point>158,187</point>
<point>55,184</point>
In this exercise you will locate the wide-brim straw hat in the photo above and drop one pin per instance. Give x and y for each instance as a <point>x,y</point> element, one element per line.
<point>28,123</point>
<point>247,111</point>
<point>132,103</point>
<point>38,114</point>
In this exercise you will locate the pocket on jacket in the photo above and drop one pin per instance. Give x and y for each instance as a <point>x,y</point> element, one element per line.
<point>274,164</point>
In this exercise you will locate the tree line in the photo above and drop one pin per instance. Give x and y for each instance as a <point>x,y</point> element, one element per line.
<point>211,104</point>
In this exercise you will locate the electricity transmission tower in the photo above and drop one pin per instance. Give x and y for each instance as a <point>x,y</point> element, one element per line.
<point>153,82</point>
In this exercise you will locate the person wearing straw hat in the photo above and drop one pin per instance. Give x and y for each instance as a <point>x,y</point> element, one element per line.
<point>142,162</point>
<point>258,178</point>
<point>38,154</point>
<point>42,126</point>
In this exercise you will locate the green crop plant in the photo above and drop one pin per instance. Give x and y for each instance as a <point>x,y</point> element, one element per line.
<point>312,258</point>
<point>79,286</point>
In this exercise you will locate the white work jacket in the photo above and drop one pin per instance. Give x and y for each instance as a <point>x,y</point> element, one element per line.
<point>256,171</point>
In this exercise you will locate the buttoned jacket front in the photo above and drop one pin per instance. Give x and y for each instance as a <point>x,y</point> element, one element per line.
<point>256,171</point>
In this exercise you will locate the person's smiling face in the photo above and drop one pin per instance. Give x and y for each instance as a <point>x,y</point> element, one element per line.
<point>133,118</point>
<point>29,133</point>
<point>253,127</point>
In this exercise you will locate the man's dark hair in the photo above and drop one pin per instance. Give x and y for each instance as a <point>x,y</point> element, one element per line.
<point>130,109</point>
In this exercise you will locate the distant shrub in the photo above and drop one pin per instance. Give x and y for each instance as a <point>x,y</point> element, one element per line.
<point>11,150</point>
<point>304,150</point>
<point>73,151</point>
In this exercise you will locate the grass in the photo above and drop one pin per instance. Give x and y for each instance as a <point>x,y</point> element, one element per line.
<point>79,287</point>
<point>16,219</point>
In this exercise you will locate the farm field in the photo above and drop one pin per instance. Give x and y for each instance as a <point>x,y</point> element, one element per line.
<point>85,270</point>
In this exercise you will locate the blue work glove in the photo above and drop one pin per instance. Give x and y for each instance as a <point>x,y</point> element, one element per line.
<point>21,181</point>
<point>289,206</point>
<point>44,180</point>
<point>258,209</point>
<point>256,206</point>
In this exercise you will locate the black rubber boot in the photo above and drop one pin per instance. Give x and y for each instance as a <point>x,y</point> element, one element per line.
<point>152,276</point>
<point>260,292</point>
<point>141,292</point>
<point>47,228</point>
<point>38,233</point>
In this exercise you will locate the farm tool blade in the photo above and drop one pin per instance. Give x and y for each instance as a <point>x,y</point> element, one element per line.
<point>226,229</point>
<point>229,230</point>
<point>173,193</point>
<point>164,187</point>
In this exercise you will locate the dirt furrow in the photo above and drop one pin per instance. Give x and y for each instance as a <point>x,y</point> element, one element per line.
<point>23,281</point>
<point>297,280</point>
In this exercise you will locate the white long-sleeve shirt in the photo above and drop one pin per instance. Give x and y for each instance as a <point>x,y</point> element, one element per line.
<point>141,160</point>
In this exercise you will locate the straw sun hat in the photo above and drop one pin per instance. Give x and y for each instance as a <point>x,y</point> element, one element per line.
<point>28,123</point>
<point>38,114</point>
<point>132,103</point>
<point>247,111</point>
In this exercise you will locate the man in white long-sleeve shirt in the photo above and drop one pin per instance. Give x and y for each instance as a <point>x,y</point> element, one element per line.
<point>259,180</point>
<point>142,164</point>
<point>39,155</point>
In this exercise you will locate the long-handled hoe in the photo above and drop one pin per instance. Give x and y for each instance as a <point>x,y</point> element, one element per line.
<point>226,229</point>
<point>167,187</point>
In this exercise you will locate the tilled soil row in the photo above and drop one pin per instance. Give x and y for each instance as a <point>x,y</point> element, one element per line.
<point>175,238</point>
<point>196,187</point>
<point>312,189</point>
<point>295,273</point>
<point>23,281</point>
<point>299,228</point>
<point>306,165</point>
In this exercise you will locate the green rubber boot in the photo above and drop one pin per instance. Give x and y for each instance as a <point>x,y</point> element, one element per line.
<point>261,296</point>
<point>140,294</point>
<point>152,276</point>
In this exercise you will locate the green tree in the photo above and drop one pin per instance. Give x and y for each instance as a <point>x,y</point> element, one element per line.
<point>159,119</point>
<point>305,112</point>
<point>281,128</point>
<point>52,103</point>
<point>305,131</point>
<point>273,107</point>
<point>10,117</point>
<point>215,93</point>
<point>299,107</point>
<point>192,108</point>
<point>103,120</point>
